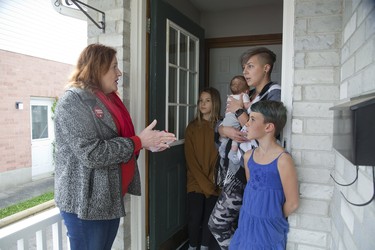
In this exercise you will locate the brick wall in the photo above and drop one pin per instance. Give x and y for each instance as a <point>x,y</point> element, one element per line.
<point>334,59</point>
<point>353,227</point>
<point>317,46</point>
<point>22,77</point>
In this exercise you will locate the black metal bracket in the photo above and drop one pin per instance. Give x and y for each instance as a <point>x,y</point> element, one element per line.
<point>351,183</point>
<point>356,178</point>
<point>77,3</point>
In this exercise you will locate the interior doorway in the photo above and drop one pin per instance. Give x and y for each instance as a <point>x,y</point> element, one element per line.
<point>270,35</point>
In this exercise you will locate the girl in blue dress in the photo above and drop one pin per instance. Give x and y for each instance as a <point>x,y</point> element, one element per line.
<point>271,193</point>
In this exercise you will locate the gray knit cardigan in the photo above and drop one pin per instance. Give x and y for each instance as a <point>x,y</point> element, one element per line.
<point>87,159</point>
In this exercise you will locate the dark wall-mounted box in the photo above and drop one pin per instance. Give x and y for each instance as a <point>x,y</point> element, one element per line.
<point>354,130</point>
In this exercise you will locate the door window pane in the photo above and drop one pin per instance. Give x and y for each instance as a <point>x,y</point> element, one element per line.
<point>172,119</point>
<point>192,112</point>
<point>173,45</point>
<point>182,120</point>
<point>192,54</point>
<point>183,51</point>
<point>183,86</point>
<point>172,86</point>
<point>193,88</point>
<point>39,122</point>
<point>182,75</point>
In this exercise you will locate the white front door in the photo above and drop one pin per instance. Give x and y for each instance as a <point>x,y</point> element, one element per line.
<point>42,137</point>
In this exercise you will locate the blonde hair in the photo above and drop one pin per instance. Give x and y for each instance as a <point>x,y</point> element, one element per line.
<point>216,105</point>
<point>93,62</point>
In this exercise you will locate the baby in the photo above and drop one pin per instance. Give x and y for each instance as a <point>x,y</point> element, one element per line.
<point>238,86</point>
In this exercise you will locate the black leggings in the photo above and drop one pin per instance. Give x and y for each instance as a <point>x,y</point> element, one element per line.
<point>199,209</point>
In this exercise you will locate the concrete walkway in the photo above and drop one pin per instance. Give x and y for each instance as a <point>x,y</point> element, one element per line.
<point>26,191</point>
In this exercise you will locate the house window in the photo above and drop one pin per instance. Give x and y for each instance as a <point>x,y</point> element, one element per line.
<point>39,117</point>
<point>181,78</point>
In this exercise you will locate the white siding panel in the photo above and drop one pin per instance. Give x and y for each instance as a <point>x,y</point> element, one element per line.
<point>34,28</point>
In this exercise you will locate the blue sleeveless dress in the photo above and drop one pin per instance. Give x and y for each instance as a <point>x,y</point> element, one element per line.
<point>262,225</point>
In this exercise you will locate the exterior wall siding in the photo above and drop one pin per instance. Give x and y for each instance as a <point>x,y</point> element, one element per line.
<point>24,30</point>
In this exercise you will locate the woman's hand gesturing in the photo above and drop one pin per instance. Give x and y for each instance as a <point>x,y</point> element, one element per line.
<point>155,140</point>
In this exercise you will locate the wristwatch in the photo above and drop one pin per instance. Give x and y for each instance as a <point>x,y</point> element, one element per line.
<point>239,112</point>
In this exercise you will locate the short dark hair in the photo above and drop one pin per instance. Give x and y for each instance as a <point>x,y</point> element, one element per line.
<point>265,55</point>
<point>238,88</point>
<point>273,112</point>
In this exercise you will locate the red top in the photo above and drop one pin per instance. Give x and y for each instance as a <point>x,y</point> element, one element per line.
<point>125,128</point>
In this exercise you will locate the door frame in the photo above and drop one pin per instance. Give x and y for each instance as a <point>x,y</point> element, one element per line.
<point>287,68</point>
<point>138,90</point>
<point>138,72</point>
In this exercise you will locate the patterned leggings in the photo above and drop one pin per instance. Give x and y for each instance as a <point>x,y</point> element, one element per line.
<point>224,217</point>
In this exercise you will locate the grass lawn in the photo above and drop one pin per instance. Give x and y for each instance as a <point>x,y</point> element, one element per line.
<point>13,209</point>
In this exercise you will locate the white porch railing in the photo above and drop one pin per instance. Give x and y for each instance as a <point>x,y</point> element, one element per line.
<point>42,231</point>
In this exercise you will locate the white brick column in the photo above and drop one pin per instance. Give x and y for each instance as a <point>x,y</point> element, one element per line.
<point>317,43</point>
<point>117,35</point>
<point>353,226</point>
